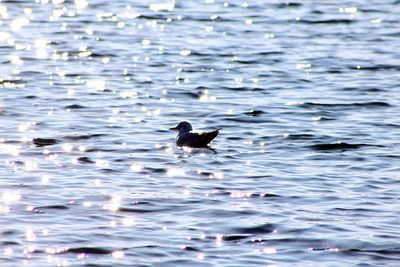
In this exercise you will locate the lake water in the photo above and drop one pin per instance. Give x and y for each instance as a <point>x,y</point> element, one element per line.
<point>305,171</point>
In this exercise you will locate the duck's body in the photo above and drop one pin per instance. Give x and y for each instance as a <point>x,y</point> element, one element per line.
<point>191,139</point>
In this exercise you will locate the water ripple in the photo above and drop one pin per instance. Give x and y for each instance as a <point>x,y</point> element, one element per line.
<point>304,171</point>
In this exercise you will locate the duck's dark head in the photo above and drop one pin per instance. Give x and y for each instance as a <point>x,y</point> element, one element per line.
<point>182,127</point>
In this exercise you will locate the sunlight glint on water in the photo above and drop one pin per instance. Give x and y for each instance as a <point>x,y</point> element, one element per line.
<point>303,172</point>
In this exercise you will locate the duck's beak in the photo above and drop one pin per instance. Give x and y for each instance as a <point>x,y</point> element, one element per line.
<point>174,129</point>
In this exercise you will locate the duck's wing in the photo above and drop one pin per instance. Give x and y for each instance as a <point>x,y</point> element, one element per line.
<point>207,137</point>
<point>197,139</point>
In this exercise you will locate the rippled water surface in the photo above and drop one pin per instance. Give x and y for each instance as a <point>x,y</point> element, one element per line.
<point>305,171</point>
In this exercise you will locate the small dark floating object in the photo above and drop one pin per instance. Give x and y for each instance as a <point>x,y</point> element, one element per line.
<point>40,142</point>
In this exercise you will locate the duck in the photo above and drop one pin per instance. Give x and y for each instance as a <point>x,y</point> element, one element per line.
<point>187,138</point>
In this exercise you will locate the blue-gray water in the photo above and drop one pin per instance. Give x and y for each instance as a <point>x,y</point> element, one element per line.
<point>305,171</point>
